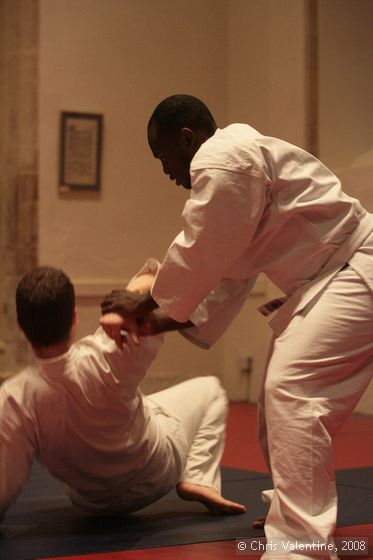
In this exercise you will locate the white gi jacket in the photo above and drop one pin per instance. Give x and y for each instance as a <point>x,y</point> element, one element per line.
<point>257,204</point>
<point>82,416</point>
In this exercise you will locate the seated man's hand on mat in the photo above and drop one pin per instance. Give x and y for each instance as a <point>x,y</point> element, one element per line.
<point>210,498</point>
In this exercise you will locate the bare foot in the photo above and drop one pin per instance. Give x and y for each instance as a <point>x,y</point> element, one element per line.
<point>259,523</point>
<point>210,498</point>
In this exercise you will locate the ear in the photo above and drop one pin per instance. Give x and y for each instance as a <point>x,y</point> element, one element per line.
<point>75,318</point>
<point>188,136</point>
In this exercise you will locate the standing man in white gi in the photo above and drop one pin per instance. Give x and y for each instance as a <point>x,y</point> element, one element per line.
<point>260,204</point>
<point>79,410</point>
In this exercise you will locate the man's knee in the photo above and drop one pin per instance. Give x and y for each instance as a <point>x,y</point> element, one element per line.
<point>215,387</point>
<point>210,383</point>
<point>212,390</point>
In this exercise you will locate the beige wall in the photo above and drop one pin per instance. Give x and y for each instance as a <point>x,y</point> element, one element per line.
<point>346,81</point>
<point>120,58</point>
<point>267,89</point>
<point>245,58</point>
<point>346,101</point>
<point>267,66</point>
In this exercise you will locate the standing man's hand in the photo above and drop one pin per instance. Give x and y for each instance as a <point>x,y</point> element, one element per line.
<point>124,302</point>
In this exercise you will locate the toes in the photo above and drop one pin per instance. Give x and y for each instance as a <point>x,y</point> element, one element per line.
<point>228,508</point>
<point>259,523</point>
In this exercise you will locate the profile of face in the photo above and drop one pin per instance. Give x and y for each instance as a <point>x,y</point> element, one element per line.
<point>175,152</point>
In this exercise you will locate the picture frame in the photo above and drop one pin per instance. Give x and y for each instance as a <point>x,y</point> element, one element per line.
<point>80,152</point>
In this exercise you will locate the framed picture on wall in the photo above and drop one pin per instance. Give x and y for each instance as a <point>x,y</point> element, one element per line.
<point>80,152</point>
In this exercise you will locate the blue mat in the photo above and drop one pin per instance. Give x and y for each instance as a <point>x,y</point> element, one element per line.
<point>43,524</point>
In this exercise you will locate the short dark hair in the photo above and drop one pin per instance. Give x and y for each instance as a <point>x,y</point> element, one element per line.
<point>45,303</point>
<point>179,111</point>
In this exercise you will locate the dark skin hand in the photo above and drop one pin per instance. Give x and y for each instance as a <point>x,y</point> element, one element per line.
<point>159,322</point>
<point>128,304</point>
<point>140,312</point>
<point>134,307</point>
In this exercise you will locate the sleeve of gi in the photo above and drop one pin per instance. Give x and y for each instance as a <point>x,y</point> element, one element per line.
<point>16,451</point>
<point>129,365</point>
<point>219,222</point>
<point>212,317</point>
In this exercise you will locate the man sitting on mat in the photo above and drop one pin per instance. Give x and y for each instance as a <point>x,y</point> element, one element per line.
<point>79,410</point>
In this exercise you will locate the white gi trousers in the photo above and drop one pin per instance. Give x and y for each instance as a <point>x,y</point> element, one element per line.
<point>200,405</point>
<point>191,416</point>
<point>318,369</point>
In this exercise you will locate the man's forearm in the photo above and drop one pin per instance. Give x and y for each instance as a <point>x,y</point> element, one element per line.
<point>145,305</point>
<point>159,323</point>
